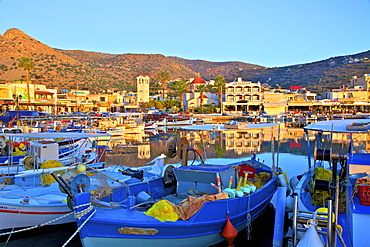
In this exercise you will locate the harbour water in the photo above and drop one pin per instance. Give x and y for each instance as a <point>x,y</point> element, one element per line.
<point>285,148</point>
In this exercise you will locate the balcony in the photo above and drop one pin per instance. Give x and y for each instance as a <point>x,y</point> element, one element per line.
<point>44,101</point>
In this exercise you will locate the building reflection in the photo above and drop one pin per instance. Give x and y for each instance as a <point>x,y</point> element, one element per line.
<point>137,150</point>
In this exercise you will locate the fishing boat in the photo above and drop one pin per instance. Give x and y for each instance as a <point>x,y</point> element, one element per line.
<point>28,193</point>
<point>15,147</point>
<point>189,205</point>
<point>151,125</point>
<point>171,120</point>
<point>332,199</point>
<point>115,131</point>
<point>235,125</point>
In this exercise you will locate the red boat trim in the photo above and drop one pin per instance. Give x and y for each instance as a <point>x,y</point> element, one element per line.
<point>30,212</point>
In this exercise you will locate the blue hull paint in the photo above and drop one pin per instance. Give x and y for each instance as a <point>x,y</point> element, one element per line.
<point>202,229</point>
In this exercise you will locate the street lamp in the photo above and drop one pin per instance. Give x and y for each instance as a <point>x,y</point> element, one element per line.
<point>94,103</point>
<point>16,100</point>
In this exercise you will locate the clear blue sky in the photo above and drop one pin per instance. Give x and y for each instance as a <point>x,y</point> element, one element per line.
<point>264,32</point>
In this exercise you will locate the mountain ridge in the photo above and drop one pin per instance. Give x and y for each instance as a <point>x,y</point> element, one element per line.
<point>98,72</point>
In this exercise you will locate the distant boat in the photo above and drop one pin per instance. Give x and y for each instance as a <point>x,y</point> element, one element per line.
<point>151,125</point>
<point>168,120</point>
<point>235,125</point>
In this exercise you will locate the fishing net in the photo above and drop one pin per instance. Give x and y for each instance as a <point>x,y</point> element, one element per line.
<point>163,211</point>
<point>48,179</point>
<point>319,197</point>
<point>103,188</point>
<point>168,211</point>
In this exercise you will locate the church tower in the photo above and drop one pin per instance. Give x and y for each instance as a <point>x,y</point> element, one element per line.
<point>142,88</point>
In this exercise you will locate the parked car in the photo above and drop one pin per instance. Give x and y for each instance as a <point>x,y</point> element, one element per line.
<point>63,113</point>
<point>10,117</point>
<point>263,113</point>
<point>95,114</point>
<point>79,113</point>
<point>44,114</point>
<point>108,114</point>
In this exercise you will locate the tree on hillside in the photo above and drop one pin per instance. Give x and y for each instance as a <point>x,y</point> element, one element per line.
<point>163,76</point>
<point>219,86</point>
<point>202,88</point>
<point>27,64</point>
<point>179,88</point>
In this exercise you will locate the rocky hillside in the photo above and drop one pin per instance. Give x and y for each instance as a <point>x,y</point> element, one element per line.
<point>70,69</point>
<point>51,66</point>
<point>317,76</point>
<point>229,70</point>
<point>79,69</point>
<point>126,67</point>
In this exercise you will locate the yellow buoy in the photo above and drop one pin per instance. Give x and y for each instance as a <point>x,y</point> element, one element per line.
<point>81,168</point>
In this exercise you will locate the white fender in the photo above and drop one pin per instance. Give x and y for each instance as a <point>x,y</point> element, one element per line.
<point>283,183</point>
<point>293,182</point>
<point>279,216</point>
<point>289,204</point>
<point>310,238</point>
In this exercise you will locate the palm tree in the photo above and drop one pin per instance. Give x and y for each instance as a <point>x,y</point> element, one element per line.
<point>163,76</point>
<point>179,88</point>
<point>27,64</point>
<point>219,85</point>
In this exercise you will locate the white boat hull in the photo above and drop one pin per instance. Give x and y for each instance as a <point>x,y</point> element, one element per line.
<point>32,216</point>
<point>20,208</point>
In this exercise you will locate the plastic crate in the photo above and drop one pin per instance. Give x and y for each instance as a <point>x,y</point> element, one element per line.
<point>363,193</point>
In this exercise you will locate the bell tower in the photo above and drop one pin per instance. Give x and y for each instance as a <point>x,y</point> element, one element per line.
<point>142,88</point>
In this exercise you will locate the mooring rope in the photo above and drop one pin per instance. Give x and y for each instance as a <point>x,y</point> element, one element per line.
<point>16,219</point>
<point>249,219</point>
<point>80,215</point>
<point>48,222</point>
<point>36,226</point>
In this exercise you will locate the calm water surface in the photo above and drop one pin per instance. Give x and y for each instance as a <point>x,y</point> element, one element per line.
<point>282,147</point>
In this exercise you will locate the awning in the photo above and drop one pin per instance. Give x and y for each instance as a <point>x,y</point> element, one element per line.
<point>43,92</point>
<point>304,103</point>
<point>275,104</point>
<point>131,106</point>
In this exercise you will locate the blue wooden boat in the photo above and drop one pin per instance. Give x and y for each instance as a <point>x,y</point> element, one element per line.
<point>336,188</point>
<point>128,220</point>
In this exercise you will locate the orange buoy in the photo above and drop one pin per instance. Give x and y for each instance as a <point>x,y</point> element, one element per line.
<point>229,232</point>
